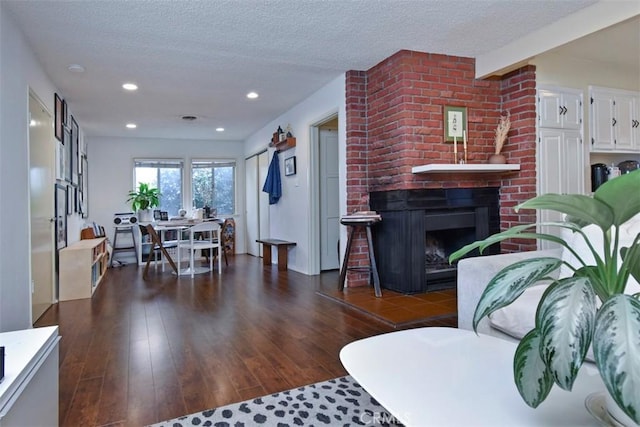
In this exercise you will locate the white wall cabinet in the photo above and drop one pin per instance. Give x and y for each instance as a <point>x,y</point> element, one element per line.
<point>560,108</point>
<point>560,151</point>
<point>614,117</point>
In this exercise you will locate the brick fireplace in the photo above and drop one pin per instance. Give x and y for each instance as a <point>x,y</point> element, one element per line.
<point>395,122</point>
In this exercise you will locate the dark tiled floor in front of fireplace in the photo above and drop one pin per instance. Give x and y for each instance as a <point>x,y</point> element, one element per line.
<point>399,309</point>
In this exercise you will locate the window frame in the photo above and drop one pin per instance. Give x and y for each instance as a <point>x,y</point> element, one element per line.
<point>157,162</point>
<point>220,161</point>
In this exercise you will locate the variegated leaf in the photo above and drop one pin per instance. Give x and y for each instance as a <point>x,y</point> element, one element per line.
<point>566,317</point>
<point>616,347</point>
<point>533,378</point>
<point>509,284</point>
<point>622,195</point>
<point>631,257</point>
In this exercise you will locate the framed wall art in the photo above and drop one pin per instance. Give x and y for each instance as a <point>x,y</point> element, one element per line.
<point>290,166</point>
<point>59,117</point>
<point>71,194</point>
<point>75,151</point>
<point>84,199</point>
<point>455,123</point>
<point>61,216</point>
<point>68,150</point>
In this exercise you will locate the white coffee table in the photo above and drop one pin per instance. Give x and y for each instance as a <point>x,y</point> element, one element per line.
<point>453,377</point>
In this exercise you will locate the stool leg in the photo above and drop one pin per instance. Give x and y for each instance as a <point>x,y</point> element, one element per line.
<point>343,269</point>
<point>374,267</point>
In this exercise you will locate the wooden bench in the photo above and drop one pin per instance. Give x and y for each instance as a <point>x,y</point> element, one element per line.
<point>283,251</point>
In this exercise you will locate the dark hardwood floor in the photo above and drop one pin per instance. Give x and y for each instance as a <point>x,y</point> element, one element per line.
<point>140,351</point>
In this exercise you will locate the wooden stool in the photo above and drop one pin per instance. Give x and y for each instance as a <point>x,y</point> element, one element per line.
<point>373,269</point>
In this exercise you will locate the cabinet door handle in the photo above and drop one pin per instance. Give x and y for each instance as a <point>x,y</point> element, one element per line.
<point>613,122</point>
<point>563,110</point>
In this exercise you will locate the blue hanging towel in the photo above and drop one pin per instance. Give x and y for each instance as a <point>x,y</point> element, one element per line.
<point>272,185</point>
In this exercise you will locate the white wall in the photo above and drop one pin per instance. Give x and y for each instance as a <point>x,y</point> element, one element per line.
<point>111,173</point>
<point>290,217</point>
<point>19,71</point>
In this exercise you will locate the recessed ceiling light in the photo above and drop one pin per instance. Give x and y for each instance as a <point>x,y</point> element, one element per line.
<point>252,95</point>
<point>76,68</point>
<point>130,86</point>
<point>219,129</point>
<point>132,125</point>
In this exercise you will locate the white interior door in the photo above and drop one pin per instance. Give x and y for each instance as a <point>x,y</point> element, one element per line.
<point>329,200</point>
<point>42,148</point>
<point>252,215</point>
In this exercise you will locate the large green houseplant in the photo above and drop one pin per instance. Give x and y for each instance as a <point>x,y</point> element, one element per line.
<point>568,318</point>
<point>143,200</point>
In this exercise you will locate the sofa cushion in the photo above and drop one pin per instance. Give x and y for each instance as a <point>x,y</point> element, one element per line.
<point>519,317</point>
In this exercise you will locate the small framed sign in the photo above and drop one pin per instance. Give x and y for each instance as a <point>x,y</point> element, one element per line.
<point>290,166</point>
<point>455,123</point>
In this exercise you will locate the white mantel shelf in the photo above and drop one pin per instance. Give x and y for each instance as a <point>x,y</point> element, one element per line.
<point>473,168</point>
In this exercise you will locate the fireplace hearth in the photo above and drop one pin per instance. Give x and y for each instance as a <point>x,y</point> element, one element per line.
<point>421,228</point>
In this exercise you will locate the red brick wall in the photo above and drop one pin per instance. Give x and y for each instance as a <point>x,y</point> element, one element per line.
<point>395,122</point>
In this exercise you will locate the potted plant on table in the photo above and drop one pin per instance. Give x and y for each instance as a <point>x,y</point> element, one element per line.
<point>143,200</point>
<point>569,318</point>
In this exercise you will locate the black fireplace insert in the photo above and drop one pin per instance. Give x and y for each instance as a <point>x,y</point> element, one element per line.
<point>421,228</point>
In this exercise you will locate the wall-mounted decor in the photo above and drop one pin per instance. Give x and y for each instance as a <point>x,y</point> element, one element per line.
<point>455,123</point>
<point>65,114</point>
<point>68,149</point>
<point>84,182</point>
<point>59,117</point>
<point>290,166</point>
<point>71,194</point>
<point>75,151</point>
<point>61,216</point>
<point>60,158</point>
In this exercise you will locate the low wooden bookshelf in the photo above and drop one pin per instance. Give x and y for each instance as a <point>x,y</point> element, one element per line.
<point>82,268</point>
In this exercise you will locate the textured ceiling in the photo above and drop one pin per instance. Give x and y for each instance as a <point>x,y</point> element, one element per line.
<point>201,57</point>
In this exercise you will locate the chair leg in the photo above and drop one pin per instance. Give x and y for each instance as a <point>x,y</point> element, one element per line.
<point>219,259</point>
<point>191,262</point>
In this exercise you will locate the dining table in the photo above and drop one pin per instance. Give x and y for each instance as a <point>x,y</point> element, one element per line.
<point>178,225</point>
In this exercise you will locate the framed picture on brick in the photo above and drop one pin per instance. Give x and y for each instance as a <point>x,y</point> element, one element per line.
<point>455,123</point>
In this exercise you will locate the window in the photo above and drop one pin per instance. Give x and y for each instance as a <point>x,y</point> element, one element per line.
<point>166,176</point>
<point>214,185</point>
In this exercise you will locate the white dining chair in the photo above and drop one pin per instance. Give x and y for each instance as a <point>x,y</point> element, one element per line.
<point>205,235</point>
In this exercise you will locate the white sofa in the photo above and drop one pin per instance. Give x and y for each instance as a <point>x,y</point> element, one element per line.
<point>517,319</point>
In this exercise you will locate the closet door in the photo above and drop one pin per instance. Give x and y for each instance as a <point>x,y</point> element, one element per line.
<point>257,202</point>
<point>252,214</point>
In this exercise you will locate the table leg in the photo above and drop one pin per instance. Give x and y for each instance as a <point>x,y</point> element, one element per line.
<point>345,262</point>
<point>266,254</point>
<point>374,267</point>
<point>282,257</point>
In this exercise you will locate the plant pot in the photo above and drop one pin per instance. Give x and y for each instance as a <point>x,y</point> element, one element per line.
<point>618,414</point>
<point>145,215</point>
<point>497,159</point>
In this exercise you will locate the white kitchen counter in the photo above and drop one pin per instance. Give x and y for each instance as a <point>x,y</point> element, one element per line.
<point>29,390</point>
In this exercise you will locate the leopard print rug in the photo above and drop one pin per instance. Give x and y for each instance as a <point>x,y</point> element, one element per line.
<point>337,402</point>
